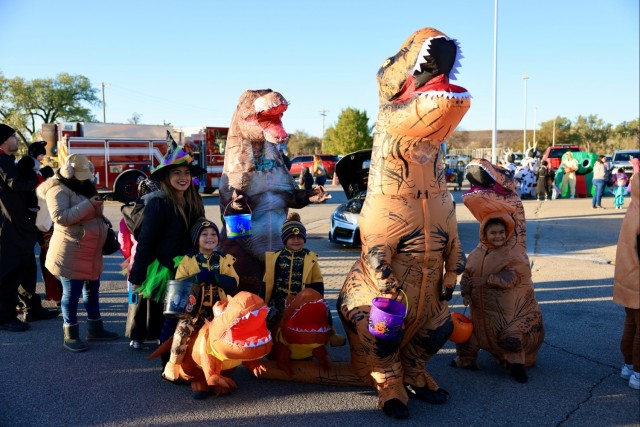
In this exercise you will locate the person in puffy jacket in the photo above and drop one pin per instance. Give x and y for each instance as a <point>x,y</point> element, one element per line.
<point>75,249</point>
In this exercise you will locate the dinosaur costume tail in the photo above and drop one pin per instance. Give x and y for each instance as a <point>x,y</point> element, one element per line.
<point>165,347</point>
<point>340,373</point>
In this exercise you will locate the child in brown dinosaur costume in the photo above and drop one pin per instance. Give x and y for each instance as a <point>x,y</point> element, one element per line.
<point>255,180</point>
<point>496,283</point>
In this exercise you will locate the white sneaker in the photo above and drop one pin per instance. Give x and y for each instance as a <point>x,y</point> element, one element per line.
<point>634,381</point>
<point>626,372</point>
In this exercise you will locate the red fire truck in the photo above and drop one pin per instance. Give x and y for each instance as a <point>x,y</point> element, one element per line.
<point>121,153</point>
<point>208,147</point>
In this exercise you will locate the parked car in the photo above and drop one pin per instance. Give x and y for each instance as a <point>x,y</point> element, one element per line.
<point>353,174</point>
<point>553,155</point>
<point>306,161</point>
<point>622,159</point>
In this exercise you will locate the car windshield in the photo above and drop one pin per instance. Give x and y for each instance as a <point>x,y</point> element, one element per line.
<point>625,157</point>
<point>558,152</point>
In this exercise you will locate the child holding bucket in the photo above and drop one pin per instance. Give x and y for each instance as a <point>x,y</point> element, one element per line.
<point>215,277</point>
<point>497,286</point>
<point>290,270</point>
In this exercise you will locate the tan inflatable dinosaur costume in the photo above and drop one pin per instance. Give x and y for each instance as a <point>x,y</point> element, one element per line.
<point>507,320</point>
<point>410,242</point>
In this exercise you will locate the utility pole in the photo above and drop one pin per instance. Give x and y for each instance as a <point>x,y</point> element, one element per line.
<point>104,114</point>
<point>323,113</point>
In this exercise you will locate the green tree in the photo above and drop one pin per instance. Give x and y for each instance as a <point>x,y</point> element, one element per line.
<point>351,133</point>
<point>545,134</point>
<point>26,104</point>
<point>592,132</point>
<point>625,135</point>
<point>301,143</point>
<point>135,119</point>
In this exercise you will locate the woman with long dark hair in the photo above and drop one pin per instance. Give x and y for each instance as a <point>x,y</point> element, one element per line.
<point>163,237</point>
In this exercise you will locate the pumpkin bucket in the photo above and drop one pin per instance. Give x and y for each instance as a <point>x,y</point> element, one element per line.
<point>386,317</point>
<point>462,328</point>
<point>177,296</point>
<point>237,225</point>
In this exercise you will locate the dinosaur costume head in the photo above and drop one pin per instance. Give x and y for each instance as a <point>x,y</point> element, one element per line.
<point>492,194</point>
<point>259,116</point>
<point>239,328</point>
<point>414,87</point>
<point>305,319</point>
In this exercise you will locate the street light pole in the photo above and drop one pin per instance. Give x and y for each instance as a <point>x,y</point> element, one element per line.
<point>323,113</point>
<point>535,125</point>
<point>524,138</point>
<point>494,133</point>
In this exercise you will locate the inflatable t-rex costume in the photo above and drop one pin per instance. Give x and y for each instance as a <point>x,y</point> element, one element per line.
<point>408,224</point>
<point>255,180</point>
<point>408,227</point>
<point>303,331</point>
<point>237,335</point>
<point>507,320</point>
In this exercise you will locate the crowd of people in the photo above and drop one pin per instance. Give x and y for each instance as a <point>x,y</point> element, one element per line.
<point>165,236</point>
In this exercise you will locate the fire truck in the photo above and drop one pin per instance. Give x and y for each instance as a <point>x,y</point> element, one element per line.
<point>121,153</point>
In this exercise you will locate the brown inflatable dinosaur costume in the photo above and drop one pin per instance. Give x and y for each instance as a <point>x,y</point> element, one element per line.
<point>237,335</point>
<point>507,320</point>
<point>255,180</point>
<point>408,225</point>
<point>409,232</point>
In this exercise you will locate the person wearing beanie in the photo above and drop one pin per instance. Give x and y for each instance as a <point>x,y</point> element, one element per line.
<point>18,268</point>
<point>214,277</point>
<point>289,271</point>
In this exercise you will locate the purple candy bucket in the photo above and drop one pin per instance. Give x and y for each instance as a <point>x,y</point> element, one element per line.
<point>386,318</point>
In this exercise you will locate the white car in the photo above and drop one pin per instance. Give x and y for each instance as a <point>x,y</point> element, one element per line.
<point>353,174</point>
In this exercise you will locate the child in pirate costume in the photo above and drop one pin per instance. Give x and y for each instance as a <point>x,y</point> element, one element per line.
<point>214,276</point>
<point>290,270</point>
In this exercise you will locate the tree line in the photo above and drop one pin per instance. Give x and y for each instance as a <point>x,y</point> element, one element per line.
<point>26,104</point>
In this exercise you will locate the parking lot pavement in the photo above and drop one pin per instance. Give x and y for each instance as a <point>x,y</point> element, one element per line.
<point>575,383</point>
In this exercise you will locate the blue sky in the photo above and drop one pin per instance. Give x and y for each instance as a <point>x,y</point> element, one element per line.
<point>187,62</point>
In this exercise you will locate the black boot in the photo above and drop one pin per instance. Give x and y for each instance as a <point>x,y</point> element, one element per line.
<point>518,373</point>
<point>97,332</point>
<point>32,309</point>
<point>395,409</point>
<point>72,342</point>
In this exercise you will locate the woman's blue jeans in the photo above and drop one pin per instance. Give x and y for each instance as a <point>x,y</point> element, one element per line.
<point>598,191</point>
<point>71,290</point>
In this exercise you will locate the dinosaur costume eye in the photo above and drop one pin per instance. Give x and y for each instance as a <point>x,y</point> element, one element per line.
<point>386,63</point>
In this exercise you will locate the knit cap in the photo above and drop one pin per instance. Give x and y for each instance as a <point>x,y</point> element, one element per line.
<point>37,148</point>
<point>197,229</point>
<point>5,132</point>
<point>292,226</point>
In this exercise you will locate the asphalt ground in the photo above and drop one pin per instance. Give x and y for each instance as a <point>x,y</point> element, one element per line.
<point>575,383</point>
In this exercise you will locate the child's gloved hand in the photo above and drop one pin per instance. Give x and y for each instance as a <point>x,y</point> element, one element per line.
<point>206,276</point>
